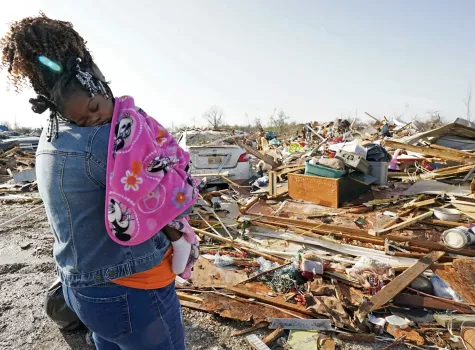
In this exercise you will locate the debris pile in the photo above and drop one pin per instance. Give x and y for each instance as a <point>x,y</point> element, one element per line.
<point>17,167</point>
<point>344,237</point>
<point>345,233</point>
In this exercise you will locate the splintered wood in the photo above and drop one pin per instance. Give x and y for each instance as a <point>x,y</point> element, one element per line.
<point>205,274</point>
<point>398,284</point>
<point>460,277</point>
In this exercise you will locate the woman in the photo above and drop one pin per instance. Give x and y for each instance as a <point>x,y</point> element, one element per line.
<point>125,295</point>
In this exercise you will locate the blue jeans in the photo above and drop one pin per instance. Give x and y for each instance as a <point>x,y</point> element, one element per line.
<point>123,318</point>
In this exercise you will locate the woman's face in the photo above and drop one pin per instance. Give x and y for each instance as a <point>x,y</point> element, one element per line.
<point>84,110</point>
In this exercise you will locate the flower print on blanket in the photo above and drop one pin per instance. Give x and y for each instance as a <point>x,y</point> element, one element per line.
<point>150,175</point>
<point>131,181</point>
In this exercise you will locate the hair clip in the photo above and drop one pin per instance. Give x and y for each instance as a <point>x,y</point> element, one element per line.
<point>87,80</point>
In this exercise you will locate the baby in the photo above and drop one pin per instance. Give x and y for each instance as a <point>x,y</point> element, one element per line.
<point>149,187</point>
<point>148,184</point>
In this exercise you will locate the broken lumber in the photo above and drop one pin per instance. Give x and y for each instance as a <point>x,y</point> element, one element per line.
<point>460,277</point>
<point>413,300</point>
<point>270,301</point>
<point>358,234</point>
<point>193,306</point>
<point>274,190</point>
<point>264,157</point>
<point>445,223</point>
<point>250,329</point>
<point>273,336</point>
<point>357,337</point>
<point>241,246</point>
<point>397,284</point>
<point>455,155</point>
<point>401,225</point>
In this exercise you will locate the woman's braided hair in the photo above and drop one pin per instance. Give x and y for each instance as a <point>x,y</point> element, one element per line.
<point>33,37</point>
<point>27,45</point>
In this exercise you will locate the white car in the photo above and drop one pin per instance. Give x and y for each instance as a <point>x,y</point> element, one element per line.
<point>211,157</point>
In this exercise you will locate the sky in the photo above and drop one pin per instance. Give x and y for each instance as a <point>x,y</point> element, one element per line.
<point>315,60</point>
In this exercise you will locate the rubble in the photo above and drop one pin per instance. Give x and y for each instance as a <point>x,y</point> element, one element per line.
<point>347,233</point>
<point>17,161</point>
<point>351,226</point>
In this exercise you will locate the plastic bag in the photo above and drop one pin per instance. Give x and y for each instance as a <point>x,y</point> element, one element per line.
<point>367,268</point>
<point>377,153</point>
<point>442,290</point>
<point>270,135</point>
<point>57,309</point>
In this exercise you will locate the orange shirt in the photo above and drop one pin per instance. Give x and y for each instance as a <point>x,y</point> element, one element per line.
<point>158,277</point>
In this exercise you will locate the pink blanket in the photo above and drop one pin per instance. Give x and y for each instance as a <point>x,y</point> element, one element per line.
<point>148,185</point>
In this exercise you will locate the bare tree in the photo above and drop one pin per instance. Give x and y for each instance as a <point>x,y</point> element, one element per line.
<point>7,124</point>
<point>468,102</point>
<point>214,116</point>
<point>279,120</point>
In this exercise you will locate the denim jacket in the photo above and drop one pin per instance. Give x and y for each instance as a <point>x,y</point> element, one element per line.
<point>71,172</point>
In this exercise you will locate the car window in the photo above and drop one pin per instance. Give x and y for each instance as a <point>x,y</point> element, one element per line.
<point>203,138</point>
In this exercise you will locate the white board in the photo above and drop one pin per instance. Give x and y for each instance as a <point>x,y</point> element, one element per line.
<point>256,343</point>
<point>300,324</point>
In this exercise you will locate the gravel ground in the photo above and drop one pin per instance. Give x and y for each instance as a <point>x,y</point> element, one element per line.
<point>27,270</point>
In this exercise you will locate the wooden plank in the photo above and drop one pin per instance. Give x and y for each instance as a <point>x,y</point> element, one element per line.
<point>455,321</point>
<point>245,208</point>
<point>240,246</point>
<point>445,223</point>
<point>273,336</point>
<point>269,160</point>
<point>275,190</point>
<point>320,225</point>
<point>189,297</point>
<point>401,225</point>
<point>420,204</point>
<point>454,155</point>
<point>355,233</point>
<point>398,284</point>
<point>250,329</point>
<point>399,217</point>
<point>413,300</point>
<point>410,335</point>
<point>293,169</point>
<point>270,301</point>
<point>272,183</point>
<point>295,323</point>
<point>193,306</point>
<point>357,337</point>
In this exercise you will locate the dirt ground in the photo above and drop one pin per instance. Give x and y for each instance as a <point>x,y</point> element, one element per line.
<point>27,270</point>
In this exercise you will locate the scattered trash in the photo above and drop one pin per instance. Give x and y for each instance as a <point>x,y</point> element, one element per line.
<point>335,229</point>
<point>446,214</point>
<point>397,322</point>
<point>458,237</point>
